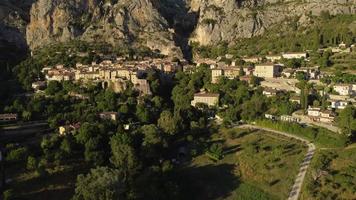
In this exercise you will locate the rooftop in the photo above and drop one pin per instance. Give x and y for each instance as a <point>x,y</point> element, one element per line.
<point>206,95</point>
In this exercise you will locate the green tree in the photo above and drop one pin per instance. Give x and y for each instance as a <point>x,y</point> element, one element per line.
<point>152,135</point>
<point>347,120</point>
<point>101,183</point>
<point>94,151</point>
<point>168,123</point>
<point>53,87</point>
<point>324,60</point>
<point>67,146</point>
<point>255,80</point>
<point>152,141</point>
<point>17,154</point>
<point>215,151</point>
<point>26,115</point>
<point>31,163</point>
<point>142,113</point>
<point>9,194</point>
<point>123,157</point>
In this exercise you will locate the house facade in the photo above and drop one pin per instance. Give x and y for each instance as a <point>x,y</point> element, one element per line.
<point>228,72</point>
<point>273,58</point>
<point>8,117</point>
<point>288,118</point>
<point>109,115</point>
<point>267,70</point>
<point>318,115</point>
<point>211,99</point>
<point>296,55</point>
<point>343,89</point>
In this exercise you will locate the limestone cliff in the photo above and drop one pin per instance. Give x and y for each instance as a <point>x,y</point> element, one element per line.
<point>227,20</point>
<point>165,25</point>
<point>115,22</point>
<point>13,21</point>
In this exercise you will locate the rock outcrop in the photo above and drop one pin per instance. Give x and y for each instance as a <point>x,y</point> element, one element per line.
<point>13,21</point>
<point>228,20</point>
<point>164,25</point>
<point>115,22</point>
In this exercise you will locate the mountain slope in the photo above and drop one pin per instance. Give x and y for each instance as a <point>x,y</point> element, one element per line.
<point>13,21</point>
<point>228,20</point>
<point>165,25</point>
<point>115,22</point>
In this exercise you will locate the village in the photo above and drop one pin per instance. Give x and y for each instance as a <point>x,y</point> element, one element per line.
<point>276,79</point>
<point>273,77</point>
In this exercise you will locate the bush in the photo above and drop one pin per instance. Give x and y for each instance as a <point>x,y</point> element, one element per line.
<point>41,172</point>
<point>215,152</point>
<point>31,163</point>
<point>9,194</point>
<point>16,155</point>
<point>320,136</point>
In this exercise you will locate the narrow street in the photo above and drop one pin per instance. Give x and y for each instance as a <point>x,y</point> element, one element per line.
<point>297,186</point>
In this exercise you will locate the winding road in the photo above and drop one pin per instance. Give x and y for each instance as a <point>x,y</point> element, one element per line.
<point>297,186</point>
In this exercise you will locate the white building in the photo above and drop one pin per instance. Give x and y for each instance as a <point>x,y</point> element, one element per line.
<point>269,92</point>
<point>338,104</point>
<point>109,115</point>
<point>251,59</point>
<point>267,70</point>
<point>39,85</point>
<point>343,89</point>
<point>211,99</point>
<point>273,58</point>
<point>314,112</point>
<point>327,116</point>
<point>288,118</point>
<point>297,55</point>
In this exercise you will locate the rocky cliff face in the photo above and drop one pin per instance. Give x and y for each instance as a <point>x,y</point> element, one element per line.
<point>115,22</point>
<point>165,25</point>
<point>13,21</point>
<point>227,20</point>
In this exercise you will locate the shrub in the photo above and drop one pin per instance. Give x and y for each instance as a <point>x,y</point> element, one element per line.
<point>17,155</point>
<point>31,163</point>
<point>215,152</point>
<point>9,194</point>
<point>320,136</point>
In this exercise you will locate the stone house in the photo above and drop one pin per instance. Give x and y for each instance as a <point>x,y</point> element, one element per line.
<point>8,117</point>
<point>267,70</point>
<point>288,118</point>
<point>296,55</point>
<point>343,89</point>
<point>228,72</point>
<point>109,115</point>
<point>273,58</point>
<point>211,99</point>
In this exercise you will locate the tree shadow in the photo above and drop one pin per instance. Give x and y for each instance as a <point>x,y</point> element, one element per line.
<point>232,149</point>
<point>207,182</point>
<point>59,185</point>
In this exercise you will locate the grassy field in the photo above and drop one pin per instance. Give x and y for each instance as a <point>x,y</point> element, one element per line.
<point>332,175</point>
<point>256,166</point>
<point>58,184</point>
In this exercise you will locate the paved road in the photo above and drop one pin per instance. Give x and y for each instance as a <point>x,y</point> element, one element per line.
<point>297,186</point>
<point>307,120</point>
<point>25,125</point>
